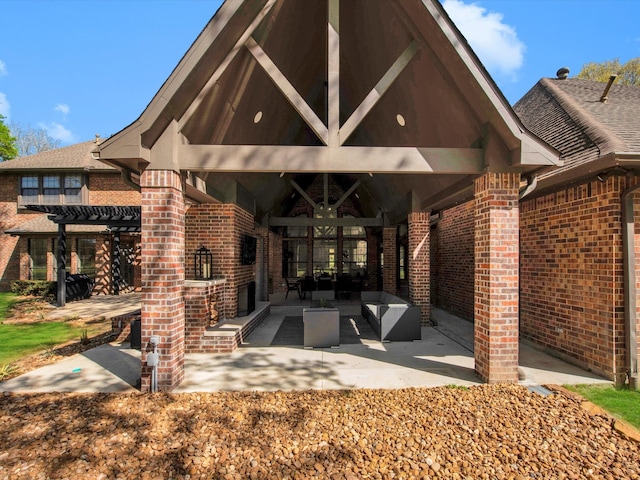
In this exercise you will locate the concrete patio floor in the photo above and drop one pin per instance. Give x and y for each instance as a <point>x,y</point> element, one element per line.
<point>444,356</point>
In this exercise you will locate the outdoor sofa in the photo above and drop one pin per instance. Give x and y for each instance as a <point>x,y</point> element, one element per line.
<point>392,318</point>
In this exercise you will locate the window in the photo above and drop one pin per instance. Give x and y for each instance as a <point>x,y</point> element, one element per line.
<point>87,256</point>
<point>324,256</point>
<point>29,190</point>
<point>354,257</point>
<point>38,259</point>
<point>49,189</point>
<point>73,189</point>
<point>295,258</point>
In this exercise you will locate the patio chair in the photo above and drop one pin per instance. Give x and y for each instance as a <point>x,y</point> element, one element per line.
<point>307,285</point>
<point>325,283</point>
<point>293,285</point>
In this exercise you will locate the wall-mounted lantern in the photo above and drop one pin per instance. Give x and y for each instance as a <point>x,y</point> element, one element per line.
<point>202,261</point>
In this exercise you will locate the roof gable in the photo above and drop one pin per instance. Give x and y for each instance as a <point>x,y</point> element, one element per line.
<point>350,87</point>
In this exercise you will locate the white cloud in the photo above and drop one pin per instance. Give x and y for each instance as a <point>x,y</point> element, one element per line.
<point>3,69</point>
<point>496,43</point>
<point>62,108</point>
<point>59,132</point>
<point>5,108</point>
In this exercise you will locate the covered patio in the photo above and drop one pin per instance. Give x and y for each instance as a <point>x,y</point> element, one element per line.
<point>443,357</point>
<point>326,129</point>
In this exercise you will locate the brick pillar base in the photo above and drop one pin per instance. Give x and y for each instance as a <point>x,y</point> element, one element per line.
<point>420,263</point>
<point>496,277</point>
<point>162,258</point>
<point>390,269</point>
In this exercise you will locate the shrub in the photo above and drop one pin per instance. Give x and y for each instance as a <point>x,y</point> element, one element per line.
<point>36,288</point>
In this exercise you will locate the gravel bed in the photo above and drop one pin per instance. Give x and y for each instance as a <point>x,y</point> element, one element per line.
<point>492,432</point>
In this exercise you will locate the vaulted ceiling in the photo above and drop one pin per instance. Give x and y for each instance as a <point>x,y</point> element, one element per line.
<point>385,93</point>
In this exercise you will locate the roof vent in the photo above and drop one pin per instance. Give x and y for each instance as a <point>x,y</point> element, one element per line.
<point>605,94</point>
<point>563,73</point>
<point>98,140</point>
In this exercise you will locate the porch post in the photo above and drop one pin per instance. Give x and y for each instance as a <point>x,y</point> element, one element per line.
<point>420,263</point>
<point>61,260</point>
<point>496,277</point>
<point>162,272</point>
<point>115,264</point>
<point>390,271</point>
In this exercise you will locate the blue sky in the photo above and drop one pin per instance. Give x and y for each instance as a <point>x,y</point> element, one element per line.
<point>83,67</point>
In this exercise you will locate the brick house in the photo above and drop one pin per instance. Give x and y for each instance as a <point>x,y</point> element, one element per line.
<point>67,176</point>
<point>578,230</point>
<point>324,134</point>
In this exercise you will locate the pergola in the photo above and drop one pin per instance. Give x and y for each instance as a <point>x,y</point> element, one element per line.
<point>385,96</point>
<point>117,219</point>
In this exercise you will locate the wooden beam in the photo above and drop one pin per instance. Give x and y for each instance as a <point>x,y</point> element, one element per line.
<point>347,194</point>
<point>225,63</point>
<point>288,90</point>
<point>399,160</point>
<point>304,194</point>
<point>377,92</point>
<point>333,72</point>
<point>324,222</point>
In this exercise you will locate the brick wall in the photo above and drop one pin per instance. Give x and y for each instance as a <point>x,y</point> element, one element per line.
<point>390,270</point>
<point>104,189</point>
<point>10,217</point>
<point>419,268</point>
<point>110,189</point>
<point>452,261</point>
<point>202,305</point>
<point>163,262</point>
<point>220,228</point>
<point>496,277</point>
<point>572,291</point>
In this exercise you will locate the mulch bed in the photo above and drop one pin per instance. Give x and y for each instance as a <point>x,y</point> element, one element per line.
<point>498,431</point>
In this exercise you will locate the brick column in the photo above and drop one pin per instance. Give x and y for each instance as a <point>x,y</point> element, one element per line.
<point>162,258</point>
<point>496,277</point>
<point>419,263</point>
<point>390,270</point>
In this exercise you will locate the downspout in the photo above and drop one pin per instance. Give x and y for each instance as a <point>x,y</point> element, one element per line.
<point>630,291</point>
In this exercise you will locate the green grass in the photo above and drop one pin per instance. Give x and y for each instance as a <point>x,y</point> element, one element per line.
<point>620,402</point>
<point>17,341</point>
<point>6,300</point>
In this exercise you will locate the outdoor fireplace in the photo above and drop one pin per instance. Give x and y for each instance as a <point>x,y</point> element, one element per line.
<point>246,299</point>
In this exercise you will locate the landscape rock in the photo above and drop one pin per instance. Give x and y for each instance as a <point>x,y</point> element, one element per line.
<point>488,431</point>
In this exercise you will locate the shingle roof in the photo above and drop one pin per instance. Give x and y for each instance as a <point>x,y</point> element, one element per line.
<point>569,115</point>
<point>74,157</point>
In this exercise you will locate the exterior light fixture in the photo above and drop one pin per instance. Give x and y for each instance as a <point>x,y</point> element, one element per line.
<point>202,261</point>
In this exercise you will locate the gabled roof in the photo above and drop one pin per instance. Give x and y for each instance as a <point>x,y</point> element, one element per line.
<point>73,157</point>
<point>275,89</point>
<point>591,135</point>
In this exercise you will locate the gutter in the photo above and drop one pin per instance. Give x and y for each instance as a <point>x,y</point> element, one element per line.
<point>630,290</point>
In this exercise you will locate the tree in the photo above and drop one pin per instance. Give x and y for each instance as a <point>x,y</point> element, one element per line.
<point>628,73</point>
<point>33,140</point>
<point>8,146</point>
